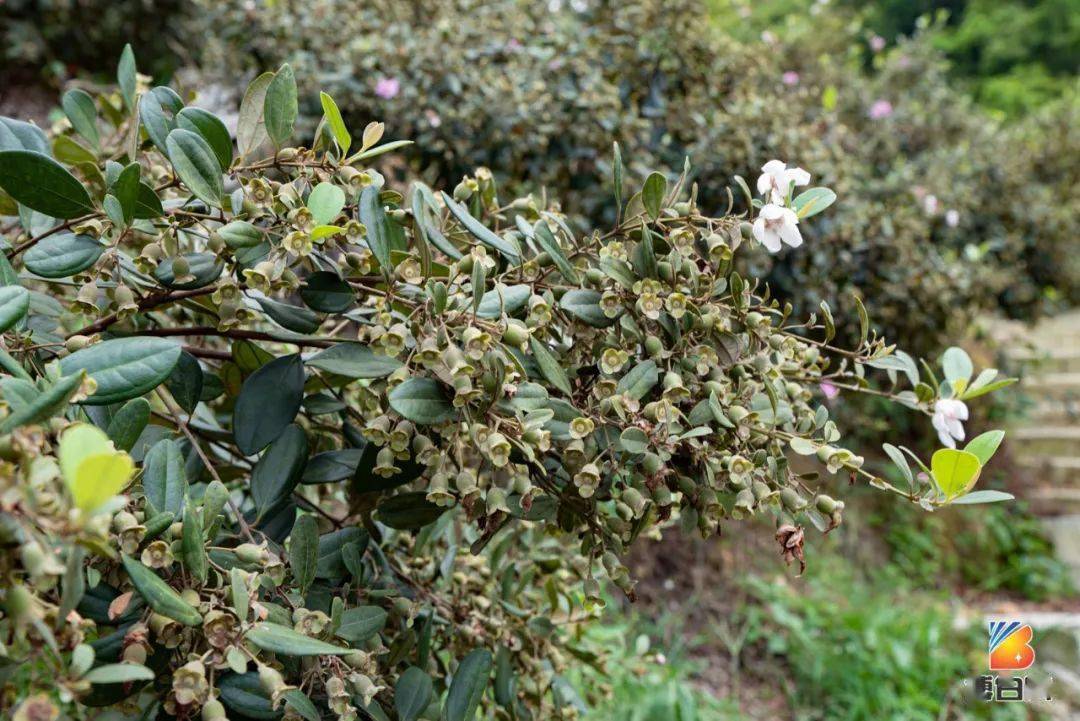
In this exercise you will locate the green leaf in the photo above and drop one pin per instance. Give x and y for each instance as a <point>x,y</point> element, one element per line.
<point>42,184</point>
<point>361,623</point>
<point>284,641</point>
<point>325,202</point>
<point>93,470</point>
<point>422,400</point>
<point>195,163</point>
<point>412,694</point>
<point>983,497</point>
<point>14,303</point>
<point>124,368</point>
<point>617,176</point>
<point>550,367</point>
<point>336,123</point>
<point>957,365</point>
<point>481,232</point>
<point>985,445</point>
<point>125,76</point>
<point>898,458</point>
<point>633,440</point>
<point>291,317</point>
<point>325,291</point>
<point>251,125</point>
<point>974,392</point>
<point>585,306</point>
<point>955,471</point>
<point>193,545</point>
<point>652,194</point>
<point>299,702</point>
<point>304,551</point>
<point>127,189</point>
<point>204,269</point>
<point>639,380</point>
<point>157,111</point>
<point>269,400</point>
<point>803,446</point>
<point>164,479</point>
<point>119,673</point>
<point>407,511</point>
<point>185,382</point>
<point>148,204</point>
<point>212,129</point>
<point>128,423</point>
<point>507,299</point>
<point>244,694</point>
<point>812,201</point>
<point>424,205</point>
<point>280,106</point>
<point>354,360</point>
<point>80,110</point>
<point>467,687</point>
<point>374,219</point>
<point>332,466</point>
<point>279,470</point>
<point>240,234</point>
<point>551,246</point>
<point>43,406</point>
<point>238,593</point>
<point>159,595</point>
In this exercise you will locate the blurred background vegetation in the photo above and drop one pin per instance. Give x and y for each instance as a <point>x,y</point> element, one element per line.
<point>948,129</point>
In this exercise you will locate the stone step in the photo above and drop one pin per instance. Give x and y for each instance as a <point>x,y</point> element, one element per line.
<point>1064,531</point>
<point>1051,502</point>
<point>1046,441</point>
<point>1041,360</point>
<point>1050,412</point>
<point>1058,386</point>
<point>1053,472</point>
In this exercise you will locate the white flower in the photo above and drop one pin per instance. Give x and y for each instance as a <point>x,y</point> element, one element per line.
<point>776,178</point>
<point>948,414</point>
<point>774,224</point>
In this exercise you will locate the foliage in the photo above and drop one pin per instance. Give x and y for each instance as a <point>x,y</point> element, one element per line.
<point>377,447</point>
<point>1006,549</point>
<point>59,36</point>
<point>922,228</point>
<point>869,650</point>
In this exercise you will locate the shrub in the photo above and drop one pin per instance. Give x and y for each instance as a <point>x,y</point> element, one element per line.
<point>538,95</point>
<point>280,437</point>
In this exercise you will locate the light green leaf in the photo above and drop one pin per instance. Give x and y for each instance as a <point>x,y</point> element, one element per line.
<point>983,497</point>
<point>119,673</point>
<point>336,123</point>
<point>287,642</point>
<point>585,306</point>
<point>812,201</point>
<point>251,126</point>
<point>14,303</point>
<point>126,76</point>
<point>164,479</point>
<point>639,380</point>
<point>93,470</point>
<point>955,471</point>
<point>481,232</point>
<point>985,445</point>
<point>80,110</point>
<point>957,365</point>
<point>354,360</point>
<point>325,202</point>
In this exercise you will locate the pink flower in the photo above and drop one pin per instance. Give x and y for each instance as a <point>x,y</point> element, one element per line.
<point>829,390</point>
<point>877,43</point>
<point>790,78</point>
<point>387,88</point>
<point>513,44</point>
<point>880,109</point>
<point>433,118</point>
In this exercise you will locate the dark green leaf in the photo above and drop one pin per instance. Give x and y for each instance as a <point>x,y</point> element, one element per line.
<point>159,595</point>
<point>354,360</point>
<point>408,511</point>
<point>332,466</point>
<point>193,545</point>
<point>585,306</point>
<point>507,299</point>
<point>291,317</point>
<point>164,479</point>
<point>279,469</point>
<point>157,111</point>
<point>14,303</point>
<point>639,380</point>
<point>360,624</point>
<point>412,694</point>
<point>124,368</point>
<point>652,194</point>
<point>211,128</point>
<point>128,423</point>
<point>185,382</point>
<point>195,163</point>
<point>467,687</point>
<point>422,400</point>
<point>326,292</point>
<point>550,367</point>
<point>280,106</point>
<point>204,269</point>
<point>42,184</point>
<point>125,76</point>
<point>481,232</point>
<point>304,551</point>
<point>375,221</point>
<point>268,402</point>
<point>79,108</point>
